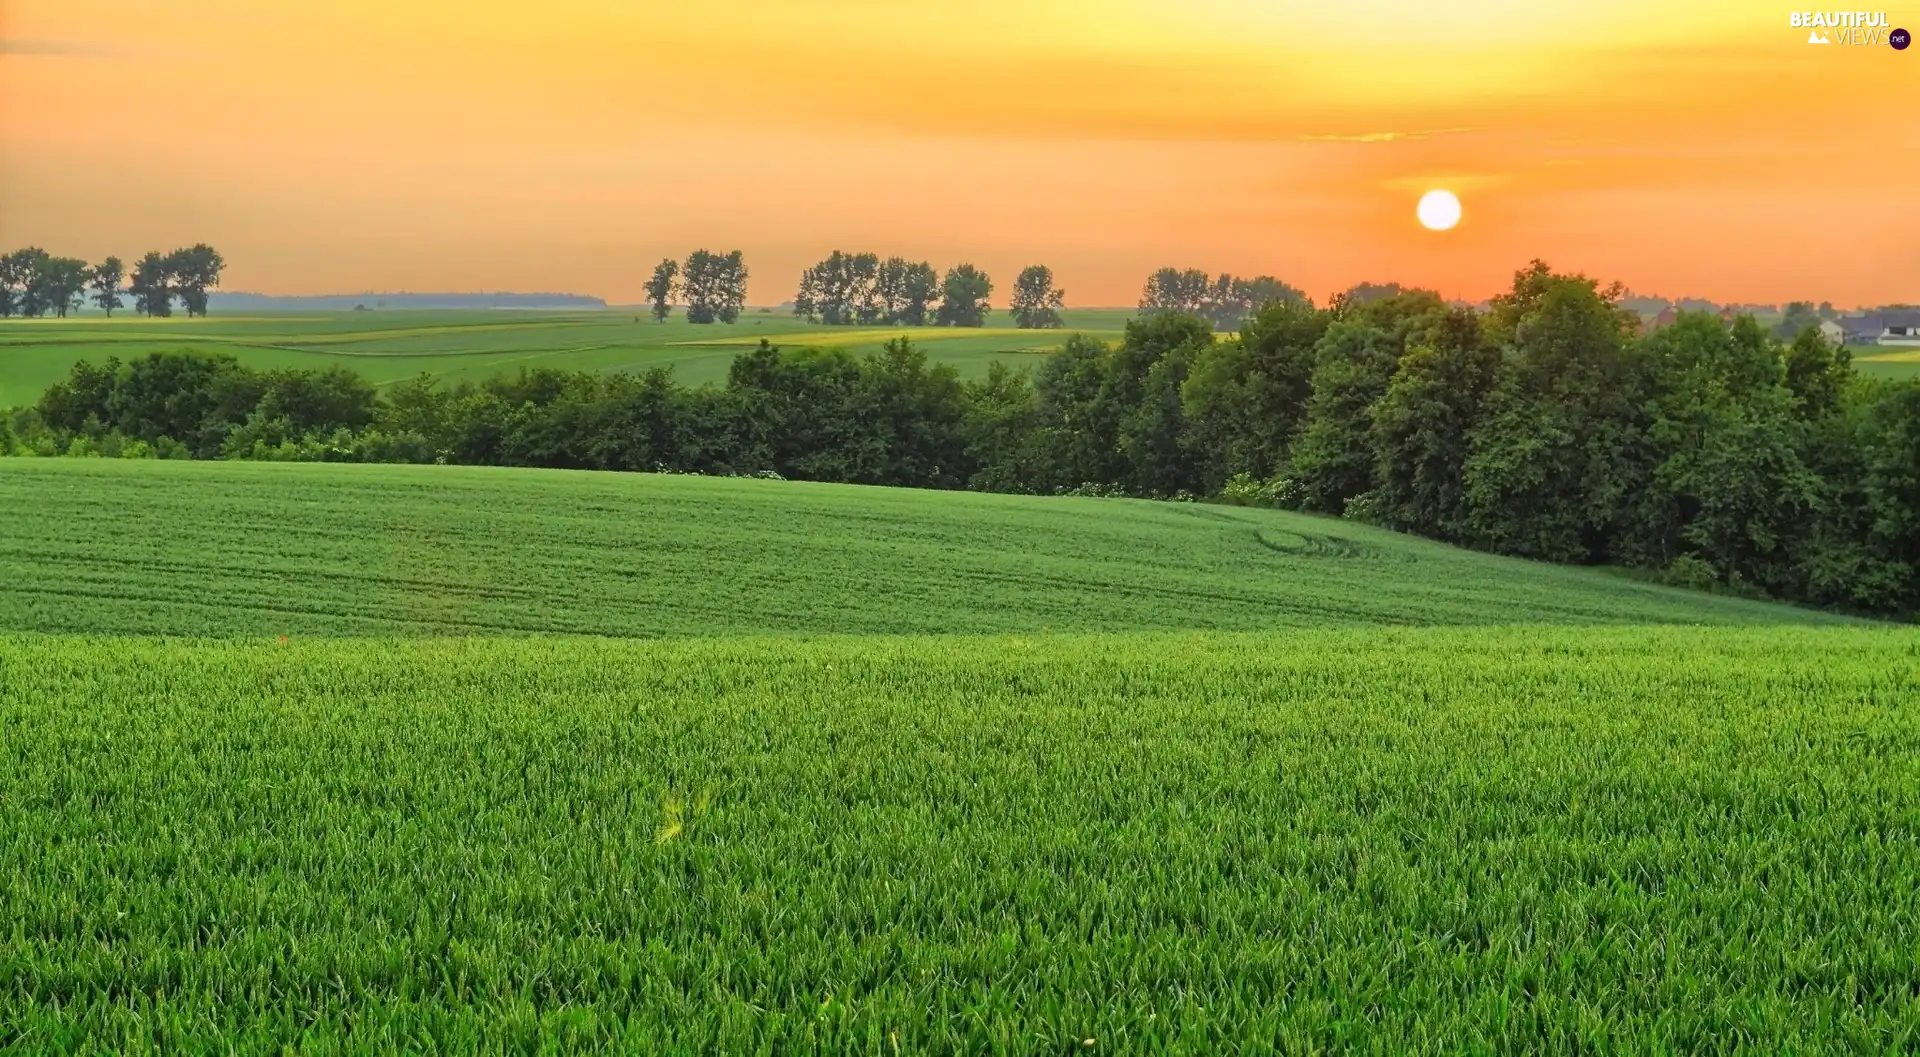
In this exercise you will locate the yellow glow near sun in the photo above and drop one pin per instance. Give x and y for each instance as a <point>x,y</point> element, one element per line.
<point>1439,210</point>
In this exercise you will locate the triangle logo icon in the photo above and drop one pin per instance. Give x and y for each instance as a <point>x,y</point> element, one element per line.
<point>1814,37</point>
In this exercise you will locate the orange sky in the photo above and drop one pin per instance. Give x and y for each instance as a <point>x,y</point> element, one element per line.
<point>342,145</point>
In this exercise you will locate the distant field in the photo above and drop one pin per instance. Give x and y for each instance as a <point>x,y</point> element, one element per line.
<point>1505,840</point>
<point>141,547</point>
<point>1903,363</point>
<point>470,346</point>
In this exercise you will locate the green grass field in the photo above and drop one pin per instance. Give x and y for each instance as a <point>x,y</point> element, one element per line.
<point>366,758</point>
<point>1891,363</point>
<point>1497,840</point>
<point>471,346</point>
<point>142,547</point>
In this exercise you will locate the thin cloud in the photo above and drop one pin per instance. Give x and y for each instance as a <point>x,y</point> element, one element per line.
<point>1387,137</point>
<point>61,48</point>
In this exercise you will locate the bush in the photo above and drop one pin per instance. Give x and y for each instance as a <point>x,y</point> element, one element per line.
<point>1369,507</point>
<point>1690,572</point>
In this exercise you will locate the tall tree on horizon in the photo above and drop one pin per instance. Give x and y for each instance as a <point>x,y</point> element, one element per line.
<point>28,269</point>
<point>152,286</point>
<point>61,284</point>
<point>195,271</point>
<point>106,284</point>
<point>1036,302</point>
<point>715,286</point>
<point>907,291</point>
<point>841,290</point>
<point>963,297</point>
<point>16,280</point>
<point>660,288</point>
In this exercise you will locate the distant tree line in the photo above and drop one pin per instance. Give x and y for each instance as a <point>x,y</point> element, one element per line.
<point>35,283</point>
<point>1709,454</point>
<point>848,289</point>
<point>1224,300</point>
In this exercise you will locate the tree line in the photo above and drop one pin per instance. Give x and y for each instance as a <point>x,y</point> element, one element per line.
<point>1224,300</point>
<point>857,289</point>
<point>1704,453</point>
<point>35,283</point>
<point>848,289</point>
<point>713,285</point>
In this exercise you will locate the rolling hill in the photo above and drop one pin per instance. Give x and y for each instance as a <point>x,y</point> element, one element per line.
<point>111,546</point>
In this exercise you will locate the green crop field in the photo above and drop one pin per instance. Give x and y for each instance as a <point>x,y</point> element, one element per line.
<point>473,345</point>
<point>1516,840</point>
<point>326,758</point>
<point>1883,363</point>
<point>144,547</point>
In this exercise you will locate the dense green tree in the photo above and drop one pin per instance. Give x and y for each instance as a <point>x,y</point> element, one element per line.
<point>26,274</point>
<point>1818,372</point>
<point>1080,431</point>
<point>1036,302</point>
<point>1141,394</point>
<point>1176,290</point>
<point>107,279</point>
<point>1885,431</point>
<point>842,290</point>
<point>963,297</point>
<point>1729,485</point>
<point>715,286</point>
<point>1419,428</point>
<point>79,403</point>
<point>15,268</point>
<point>60,285</point>
<point>907,291</point>
<point>152,286</point>
<point>1244,400</point>
<point>661,286</point>
<point>1332,461</point>
<point>1005,447</point>
<point>1561,445</point>
<point>194,272</point>
<point>169,395</point>
<point>915,413</point>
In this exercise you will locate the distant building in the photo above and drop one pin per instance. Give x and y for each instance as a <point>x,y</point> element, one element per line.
<point>1833,332</point>
<point>1889,327</point>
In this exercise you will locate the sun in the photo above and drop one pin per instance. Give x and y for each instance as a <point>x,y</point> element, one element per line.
<point>1439,210</point>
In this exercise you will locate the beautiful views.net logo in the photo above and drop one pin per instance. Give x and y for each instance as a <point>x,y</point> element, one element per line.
<point>1843,27</point>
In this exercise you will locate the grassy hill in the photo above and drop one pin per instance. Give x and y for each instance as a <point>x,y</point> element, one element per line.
<point>473,345</point>
<point>111,546</point>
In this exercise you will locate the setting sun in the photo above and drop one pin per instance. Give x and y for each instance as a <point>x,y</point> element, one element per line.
<point>1439,210</point>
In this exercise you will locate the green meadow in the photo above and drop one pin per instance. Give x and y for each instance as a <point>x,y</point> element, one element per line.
<point>260,549</point>
<point>1891,363</point>
<point>340,758</point>
<point>388,346</point>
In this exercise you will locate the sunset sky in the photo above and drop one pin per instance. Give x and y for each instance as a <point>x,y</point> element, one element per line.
<point>1699,148</point>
